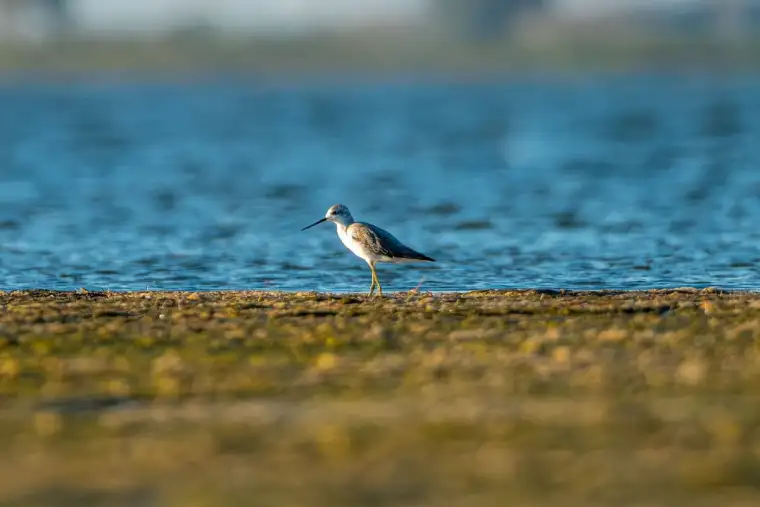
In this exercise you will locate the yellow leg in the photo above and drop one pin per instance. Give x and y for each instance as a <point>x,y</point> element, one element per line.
<point>377,280</point>
<point>372,286</point>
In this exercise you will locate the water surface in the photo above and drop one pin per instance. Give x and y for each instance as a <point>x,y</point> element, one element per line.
<point>602,182</point>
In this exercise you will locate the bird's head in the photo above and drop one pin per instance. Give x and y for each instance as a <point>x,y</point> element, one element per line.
<point>337,213</point>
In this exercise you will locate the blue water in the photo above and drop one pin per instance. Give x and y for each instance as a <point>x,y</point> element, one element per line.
<point>579,183</point>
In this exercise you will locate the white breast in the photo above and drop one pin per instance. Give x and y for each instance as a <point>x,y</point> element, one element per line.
<point>352,245</point>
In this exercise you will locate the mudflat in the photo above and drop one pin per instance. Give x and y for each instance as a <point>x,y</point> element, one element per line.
<point>452,399</point>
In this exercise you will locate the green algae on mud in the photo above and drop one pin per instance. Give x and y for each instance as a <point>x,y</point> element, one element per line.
<point>481,398</point>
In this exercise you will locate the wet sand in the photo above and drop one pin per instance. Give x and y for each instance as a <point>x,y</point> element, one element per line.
<point>474,399</point>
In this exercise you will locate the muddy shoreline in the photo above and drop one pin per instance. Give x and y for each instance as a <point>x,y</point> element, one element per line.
<point>270,339</point>
<point>481,398</point>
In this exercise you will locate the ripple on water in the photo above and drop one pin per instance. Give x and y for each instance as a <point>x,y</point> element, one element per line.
<point>473,225</point>
<point>546,186</point>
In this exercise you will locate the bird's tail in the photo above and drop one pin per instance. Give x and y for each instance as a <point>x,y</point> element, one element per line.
<point>420,257</point>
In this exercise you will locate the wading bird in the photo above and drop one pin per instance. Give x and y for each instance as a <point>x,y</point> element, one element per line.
<point>369,242</point>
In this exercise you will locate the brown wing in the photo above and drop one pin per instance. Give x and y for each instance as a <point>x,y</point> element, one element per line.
<point>382,243</point>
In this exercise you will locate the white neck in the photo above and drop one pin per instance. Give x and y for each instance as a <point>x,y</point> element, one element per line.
<point>342,221</point>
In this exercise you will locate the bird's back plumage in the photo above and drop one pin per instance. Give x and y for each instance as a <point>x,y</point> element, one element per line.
<point>383,245</point>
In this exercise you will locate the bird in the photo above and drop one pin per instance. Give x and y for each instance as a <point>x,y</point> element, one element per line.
<point>369,242</point>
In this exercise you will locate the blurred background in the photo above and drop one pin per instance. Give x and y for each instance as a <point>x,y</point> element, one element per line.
<point>553,143</point>
<point>564,144</point>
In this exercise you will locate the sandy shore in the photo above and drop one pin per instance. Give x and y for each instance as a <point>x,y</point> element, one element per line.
<point>482,398</point>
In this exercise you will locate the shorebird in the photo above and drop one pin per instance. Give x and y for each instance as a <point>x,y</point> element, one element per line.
<point>369,242</point>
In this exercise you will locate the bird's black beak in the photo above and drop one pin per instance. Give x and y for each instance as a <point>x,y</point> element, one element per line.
<point>315,223</point>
